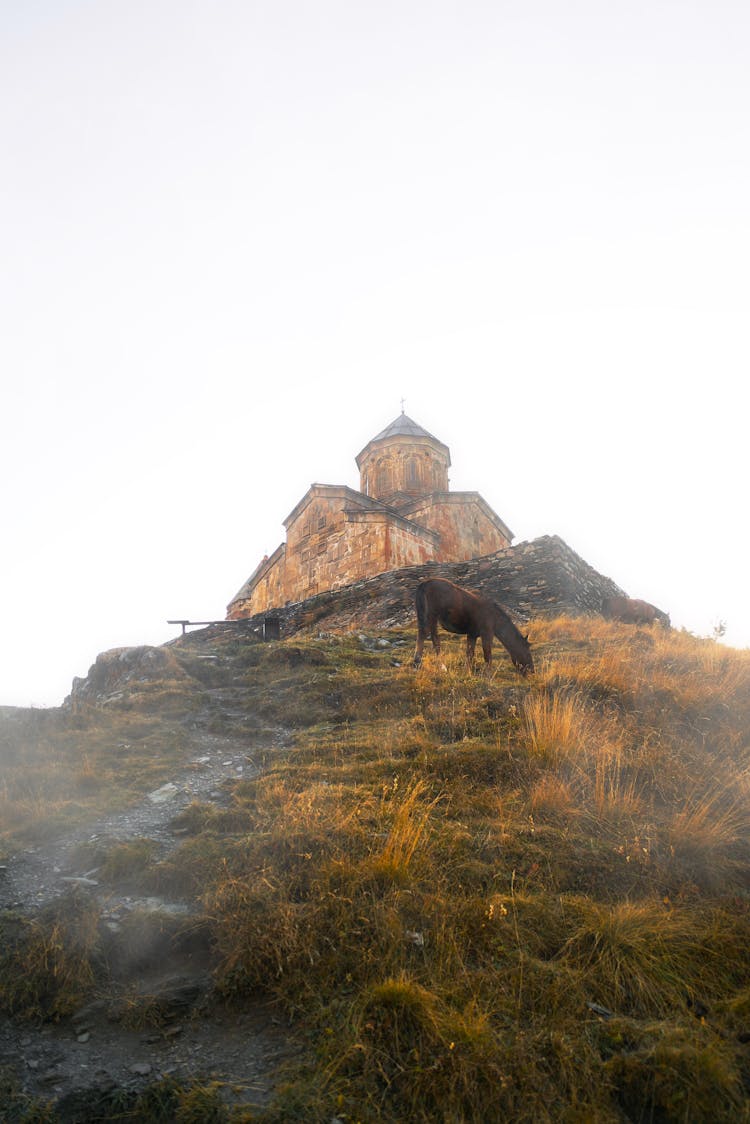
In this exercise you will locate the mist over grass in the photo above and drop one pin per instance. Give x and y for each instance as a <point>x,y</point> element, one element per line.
<point>476,897</point>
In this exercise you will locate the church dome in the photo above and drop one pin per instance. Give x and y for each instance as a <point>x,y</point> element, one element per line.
<point>403,460</point>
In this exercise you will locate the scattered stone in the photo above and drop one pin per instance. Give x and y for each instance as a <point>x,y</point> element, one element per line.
<point>603,1012</point>
<point>85,1014</point>
<point>166,792</point>
<point>141,1069</point>
<point>117,1010</point>
<point>159,905</point>
<point>52,1075</point>
<point>83,1037</point>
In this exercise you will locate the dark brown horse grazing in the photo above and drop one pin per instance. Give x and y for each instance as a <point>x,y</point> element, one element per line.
<point>470,615</point>
<point>632,611</point>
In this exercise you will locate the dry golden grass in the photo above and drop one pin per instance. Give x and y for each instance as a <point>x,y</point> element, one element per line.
<point>408,824</point>
<point>552,797</point>
<point>58,769</point>
<point>638,957</point>
<point>47,962</point>
<point>709,836</point>
<point>484,897</point>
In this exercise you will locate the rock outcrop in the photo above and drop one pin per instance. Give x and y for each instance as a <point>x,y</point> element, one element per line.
<point>119,668</point>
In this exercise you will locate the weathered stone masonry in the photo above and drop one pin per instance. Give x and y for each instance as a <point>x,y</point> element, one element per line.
<point>543,577</point>
<point>353,559</point>
<point>403,515</point>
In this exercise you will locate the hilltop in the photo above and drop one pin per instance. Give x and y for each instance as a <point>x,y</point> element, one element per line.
<point>307,882</point>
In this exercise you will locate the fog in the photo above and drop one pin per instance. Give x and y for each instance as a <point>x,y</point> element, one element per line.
<point>236,236</point>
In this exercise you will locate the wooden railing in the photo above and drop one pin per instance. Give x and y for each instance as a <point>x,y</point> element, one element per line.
<point>268,630</point>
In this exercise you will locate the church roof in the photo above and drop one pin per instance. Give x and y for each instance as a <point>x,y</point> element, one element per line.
<point>402,426</point>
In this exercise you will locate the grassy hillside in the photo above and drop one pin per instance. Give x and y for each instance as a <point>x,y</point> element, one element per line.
<point>477,897</point>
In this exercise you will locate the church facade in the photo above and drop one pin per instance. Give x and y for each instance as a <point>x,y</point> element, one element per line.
<point>403,515</point>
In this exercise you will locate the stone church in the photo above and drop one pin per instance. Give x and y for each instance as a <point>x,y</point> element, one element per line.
<point>403,515</point>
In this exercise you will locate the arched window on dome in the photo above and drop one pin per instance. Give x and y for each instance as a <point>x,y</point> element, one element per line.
<point>381,479</point>
<point>412,472</point>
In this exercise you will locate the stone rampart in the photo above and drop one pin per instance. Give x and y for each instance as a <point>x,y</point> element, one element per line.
<point>543,577</point>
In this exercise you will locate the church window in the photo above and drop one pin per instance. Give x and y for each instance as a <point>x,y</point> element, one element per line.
<point>321,522</point>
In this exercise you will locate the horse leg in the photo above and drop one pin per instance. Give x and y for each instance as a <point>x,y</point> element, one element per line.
<point>426,628</point>
<point>422,615</point>
<point>434,635</point>
<point>487,650</point>
<point>471,643</point>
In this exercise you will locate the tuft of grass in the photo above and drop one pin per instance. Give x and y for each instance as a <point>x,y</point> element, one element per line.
<point>640,958</point>
<point>667,1072</point>
<point>167,1101</point>
<point>556,725</point>
<point>49,963</point>
<point>552,797</point>
<point>415,1054</point>
<point>709,837</point>
<point>125,862</point>
<point>408,826</point>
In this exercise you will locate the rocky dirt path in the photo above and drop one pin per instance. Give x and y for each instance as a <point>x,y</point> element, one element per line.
<point>77,1064</point>
<point>35,875</point>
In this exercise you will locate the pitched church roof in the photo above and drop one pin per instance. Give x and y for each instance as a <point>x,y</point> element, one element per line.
<point>403,426</point>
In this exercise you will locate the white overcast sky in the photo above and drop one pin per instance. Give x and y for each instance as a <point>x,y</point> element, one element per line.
<point>235,235</point>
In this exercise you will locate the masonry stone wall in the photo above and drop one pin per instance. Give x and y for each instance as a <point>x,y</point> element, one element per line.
<point>331,544</point>
<point>269,587</point>
<point>339,553</point>
<point>411,468</point>
<point>328,547</point>
<point>543,577</point>
<point>465,530</point>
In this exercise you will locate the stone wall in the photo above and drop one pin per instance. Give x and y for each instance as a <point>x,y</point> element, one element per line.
<point>463,522</point>
<point>330,546</point>
<point>412,469</point>
<point>541,577</point>
<point>333,541</point>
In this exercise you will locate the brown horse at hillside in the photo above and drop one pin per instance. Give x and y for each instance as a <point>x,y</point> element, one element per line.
<point>633,611</point>
<point>470,615</point>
